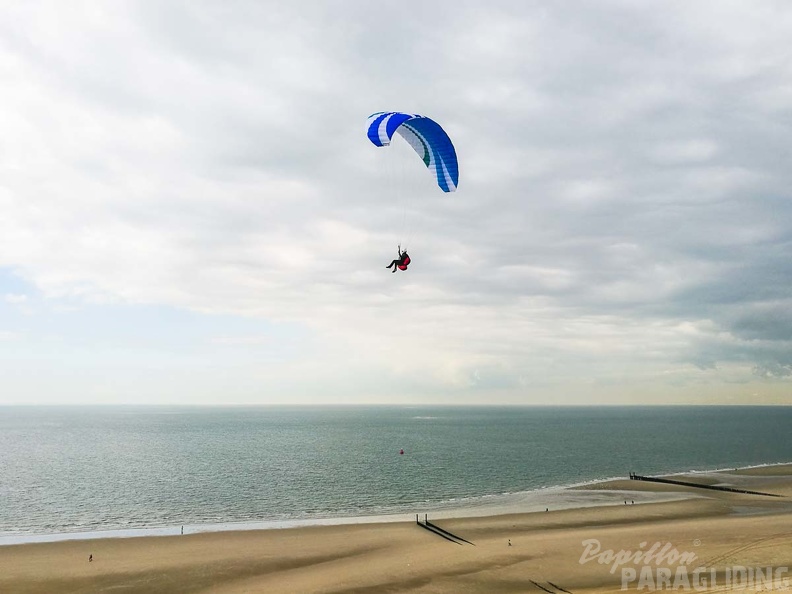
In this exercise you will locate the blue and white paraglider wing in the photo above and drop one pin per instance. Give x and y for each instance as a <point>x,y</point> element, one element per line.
<point>425,136</point>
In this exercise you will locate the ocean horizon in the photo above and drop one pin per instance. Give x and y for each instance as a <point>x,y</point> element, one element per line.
<point>71,472</point>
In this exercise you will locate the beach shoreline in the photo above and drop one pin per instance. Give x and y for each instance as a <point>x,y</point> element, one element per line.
<point>510,551</point>
<point>596,493</point>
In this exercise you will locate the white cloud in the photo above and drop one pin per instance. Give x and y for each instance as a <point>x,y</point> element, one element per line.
<point>15,299</point>
<point>622,172</point>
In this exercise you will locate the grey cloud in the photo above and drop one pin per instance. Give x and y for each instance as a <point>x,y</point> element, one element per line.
<point>774,370</point>
<point>765,321</point>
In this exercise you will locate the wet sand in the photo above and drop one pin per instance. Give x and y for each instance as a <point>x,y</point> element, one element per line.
<point>721,529</point>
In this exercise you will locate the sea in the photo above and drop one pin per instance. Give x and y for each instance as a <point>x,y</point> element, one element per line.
<point>82,472</point>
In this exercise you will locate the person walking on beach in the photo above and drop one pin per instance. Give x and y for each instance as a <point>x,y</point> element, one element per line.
<point>90,557</point>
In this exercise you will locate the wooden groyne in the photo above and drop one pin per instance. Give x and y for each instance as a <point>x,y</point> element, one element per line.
<point>427,525</point>
<point>653,479</point>
<point>447,533</point>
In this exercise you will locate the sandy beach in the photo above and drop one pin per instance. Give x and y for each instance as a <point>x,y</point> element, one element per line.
<point>555,552</point>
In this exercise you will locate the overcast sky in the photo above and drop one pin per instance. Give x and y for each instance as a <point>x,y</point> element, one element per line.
<point>190,210</point>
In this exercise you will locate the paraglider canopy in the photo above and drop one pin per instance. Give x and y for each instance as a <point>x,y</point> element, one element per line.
<point>425,136</point>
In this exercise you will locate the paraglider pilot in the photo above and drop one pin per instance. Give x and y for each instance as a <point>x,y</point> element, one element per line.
<point>402,262</point>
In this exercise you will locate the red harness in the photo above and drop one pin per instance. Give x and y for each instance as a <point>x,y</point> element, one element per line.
<point>404,263</point>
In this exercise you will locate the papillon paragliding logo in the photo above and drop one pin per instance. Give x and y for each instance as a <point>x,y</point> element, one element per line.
<point>661,566</point>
